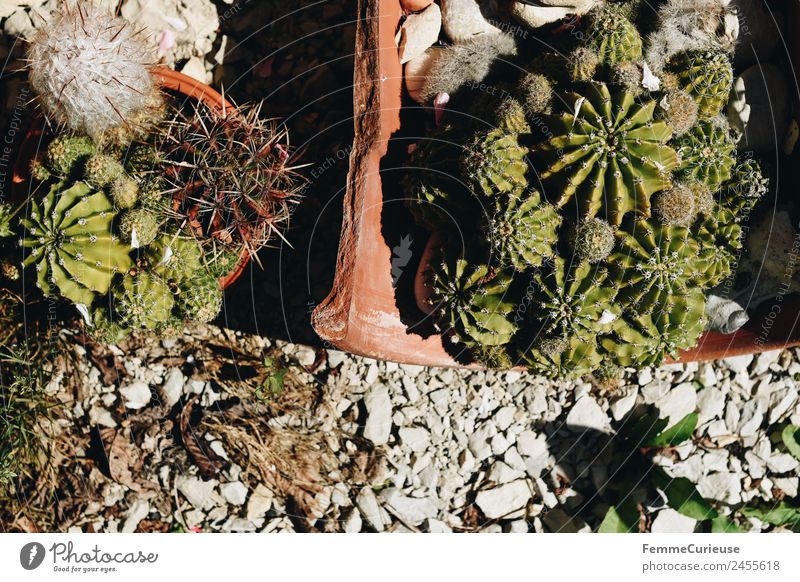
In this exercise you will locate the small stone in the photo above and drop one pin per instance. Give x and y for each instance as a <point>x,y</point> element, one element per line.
<point>411,510</point>
<point>750,419</point>
<point>335,358</point>
<point>464,19</point>
<point>623,405</point>
<point>764,360</point>
<point>234,493</point>
<point>503,500</point>
<point>367,504</point>
<point>259,503</point>
<point>782,463</point>
<point>136,395</point>
<point>678,402</point>
<point>725,487</point>
<point>436,526</point>
<point>138,510</point>
<point>196,491</point>
<point>536,15</point>
<point>415,438</point>
<point>353,522</point>
<point>738,364</point>
<point>378,425</point>
<point>530,444</point>
<point>670,521</point>
<point>173,386</point>
<point>707,376</point>
<point>196,69</point>
<point>501,473</point>
<point>710,405</point>
<point>587,414</point>
<point>644,377</point>
<point>419,32</point>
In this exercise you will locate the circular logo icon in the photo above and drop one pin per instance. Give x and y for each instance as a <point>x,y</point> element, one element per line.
<point>31,555</point>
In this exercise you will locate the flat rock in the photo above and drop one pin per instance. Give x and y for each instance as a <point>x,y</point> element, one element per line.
<point>587,414</point>
<point>173,386</point>
<point>138,510</point>
<point>196,491</point>
<point>738,364</point>
<point>505,499</point>
<point>725,487</point>
<point>409,509</point>
<point>532,15</point>
<point>259,503</point>
<point>378,424</point>
<point>234,492</point>
<point>136,395</point>
<point>624,404</point>
<point>782,463</point>
<point>710,404</point>
<point>415,438</point>
<point>370,510</point>
<point>670,521</point>
<point>418,33</point>
<point>677,403</point>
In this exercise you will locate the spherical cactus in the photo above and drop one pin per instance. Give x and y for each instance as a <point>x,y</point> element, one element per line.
<point>706,154</point>
<point>91,70</point>
<point>494,162</point>
<point>106,329</point>
<point>139,227</point>
<point>720,238</point>
<point>561,357</point>
<point>39,171</point>
<point>493,357</point>
<point>435,194</point>
<point>613,37</point>
<point>141,158</point>
<point>174,258</point>
<point>101,171</point>
<point>608,376</point>
<point>707,76</point>
<point>675,206</point>
<point>747,185</point>
<point>67,154</point>
<point>627,75</point>
<point>142,301</point>
<point>522,231</point>
<point>71,243</point>
<point>536,92</point>
<point>609,158</point>
<point>222,261</point>
<point>582,64</point>
<point>592,240</point>
<point>125,192</point>
<point>679,110</point>
<point>704,200</point>
<point>510,116</point>
<point>572,299</point>
<point>653,263</point>
<point>9,270</point>
<point>645,339</point>
<point>199,298</point>
<point>471,302</point>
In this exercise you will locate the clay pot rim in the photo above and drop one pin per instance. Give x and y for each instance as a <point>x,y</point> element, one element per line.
<point>167,79</point>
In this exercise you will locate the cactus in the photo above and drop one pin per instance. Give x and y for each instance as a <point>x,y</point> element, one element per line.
<point>747,185</point>
<point>655,263</point>
<point>141,158</point>
<point>6,215</point>
<point>174,258</point>
<point>582,64</point>
<point>720,239</point>
<point>199,298</point>
<point>493,162</point>
<point>493,357</point>
<point>561,357</point>
<point>101,171</point>
<point>221,261</point>
<point>67,154</point>
<point>706,154</point>
<point>536,92</point>
<point>644,339</point>
<point>71,243</point>
<point>613,37</point>
<point>9,270</point>
<point>679,110</point>
<point>572,300</point>
<point>434,192</point>
<point>106,329</point>
<point>39,171</point>
<point>142,301</point>
<point>510,116</point>
<point>610,156</point>
<point>675,206</point>
<point>592,240</point>
<point>470,302</point>
<point>627,75</point>
<point>90,69</point>
<point>707,76</point>
<point>607,376</point>
<point>139,227</point>
<point>125,192</point>
<point>522,231</point>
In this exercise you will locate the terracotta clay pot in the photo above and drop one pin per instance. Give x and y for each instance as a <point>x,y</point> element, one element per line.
<point>371,311</point>
<point>38,137</point>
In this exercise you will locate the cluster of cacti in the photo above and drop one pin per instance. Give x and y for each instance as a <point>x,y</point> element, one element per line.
<point>607,199</point>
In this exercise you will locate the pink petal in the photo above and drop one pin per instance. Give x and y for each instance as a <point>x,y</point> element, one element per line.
<point>439,103</point>
<point>282,153</point>
<point>166,42</point>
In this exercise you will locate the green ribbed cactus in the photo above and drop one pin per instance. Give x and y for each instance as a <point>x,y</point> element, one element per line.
<point>747,185</point>
<point>644,339</point>
<point>493,357</point>
<point>606,156</point>
<point>70,241</point>
<point>654,263</point>
<point>175,258</point>
<point>142,301</point>
<point>707,154</point>
<point>471,302</point>
<point>139,227</point>
<point>582,64</point>
<point>522,231</point>
<point>494,163</point>
<point>707,76</point>
<point>510,117</point>
<point>221,261</point>
<point>67,154</point>
<point>573,299</point>
<point>106,329</point>
<point>613,37</point>
<point>199,298</point>
<point>561,357</point>
<point>435,194</point>
<point>720,238</point>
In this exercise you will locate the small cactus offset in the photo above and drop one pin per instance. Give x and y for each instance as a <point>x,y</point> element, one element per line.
<point>138,227</point>
<point>613,37</point>
<point>174,258</point>
<point>561,357</point>
<point>679,110</point>
<point>536,92</point>
<point>67,155</point>
<point>572,299</point>
<point>521,231</point>
<point>592,240</point>
<point>582,64</point>
<point>707,154</point>
<point>199,298</point>
<point>91,69</point>
<point>720,238</point>
<point>707,76</point>
<point>746,186</point>
<point>607,155</point>
<point>494,163</point>
<point>471,302</point>
<point>142,301</point>
<point>70,241</point>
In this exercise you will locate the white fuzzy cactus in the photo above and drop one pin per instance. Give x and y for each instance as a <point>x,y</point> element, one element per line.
<point>91,69</point>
